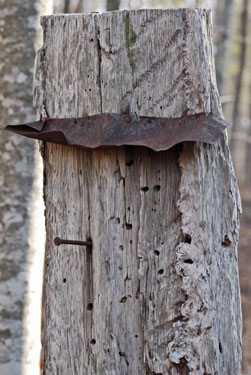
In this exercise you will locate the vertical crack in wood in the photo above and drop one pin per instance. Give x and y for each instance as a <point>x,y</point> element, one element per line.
<point>99,78</point>
<point>141,289</point>
<point>187,81</point>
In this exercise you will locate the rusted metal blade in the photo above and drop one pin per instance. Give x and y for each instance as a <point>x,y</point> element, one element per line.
<point>110,129</point>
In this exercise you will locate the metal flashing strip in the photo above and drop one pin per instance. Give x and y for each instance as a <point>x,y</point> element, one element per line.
<point>110,129</point>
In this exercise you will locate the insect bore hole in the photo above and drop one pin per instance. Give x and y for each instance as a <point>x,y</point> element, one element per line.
<point>156,188</point>
<point>188,238</point>
<point>188,261</point>
<point>129,163</point>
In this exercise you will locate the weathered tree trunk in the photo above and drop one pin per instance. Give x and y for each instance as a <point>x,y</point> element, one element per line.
<point>20,195</point>
<point>159,294</point>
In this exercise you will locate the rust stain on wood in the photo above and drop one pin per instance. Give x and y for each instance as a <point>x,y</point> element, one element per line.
<point>110,129</point>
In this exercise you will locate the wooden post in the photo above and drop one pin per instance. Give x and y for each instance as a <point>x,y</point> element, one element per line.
<point>159,294</point>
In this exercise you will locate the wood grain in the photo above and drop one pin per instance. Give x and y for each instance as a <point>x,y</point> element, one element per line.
<point>159,294</point>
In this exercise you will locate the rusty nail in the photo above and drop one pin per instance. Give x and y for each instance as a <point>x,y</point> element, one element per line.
<point>58,241</point>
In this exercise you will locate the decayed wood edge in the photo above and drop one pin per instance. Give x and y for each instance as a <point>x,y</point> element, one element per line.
<point>200,257</point>
<point>184,329</point>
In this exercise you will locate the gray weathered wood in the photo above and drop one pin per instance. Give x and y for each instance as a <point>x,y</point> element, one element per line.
<point>159,294</point>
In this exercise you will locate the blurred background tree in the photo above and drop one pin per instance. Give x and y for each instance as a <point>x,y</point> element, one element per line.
<point>113,4</point>
<point>21,212</point>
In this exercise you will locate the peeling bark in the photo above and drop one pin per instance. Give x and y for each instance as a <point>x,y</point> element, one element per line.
<point>159,293</point>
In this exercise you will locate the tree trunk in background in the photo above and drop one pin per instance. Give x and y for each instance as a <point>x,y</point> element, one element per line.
<point>20,195</point>
<point>223,27</point>
<point>243,43</point>
<point>66,6</point>
<point>159,293</point>
<point>248,156</point>
<point>113,4</point>
<point>79,6</point>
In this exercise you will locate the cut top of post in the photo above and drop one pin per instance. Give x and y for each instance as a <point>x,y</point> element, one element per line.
<point>150,62</point>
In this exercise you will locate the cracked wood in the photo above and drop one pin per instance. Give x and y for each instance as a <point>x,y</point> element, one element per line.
<point>159,292</point>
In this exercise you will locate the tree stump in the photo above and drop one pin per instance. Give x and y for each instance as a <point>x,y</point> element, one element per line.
<point>159,293</point>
